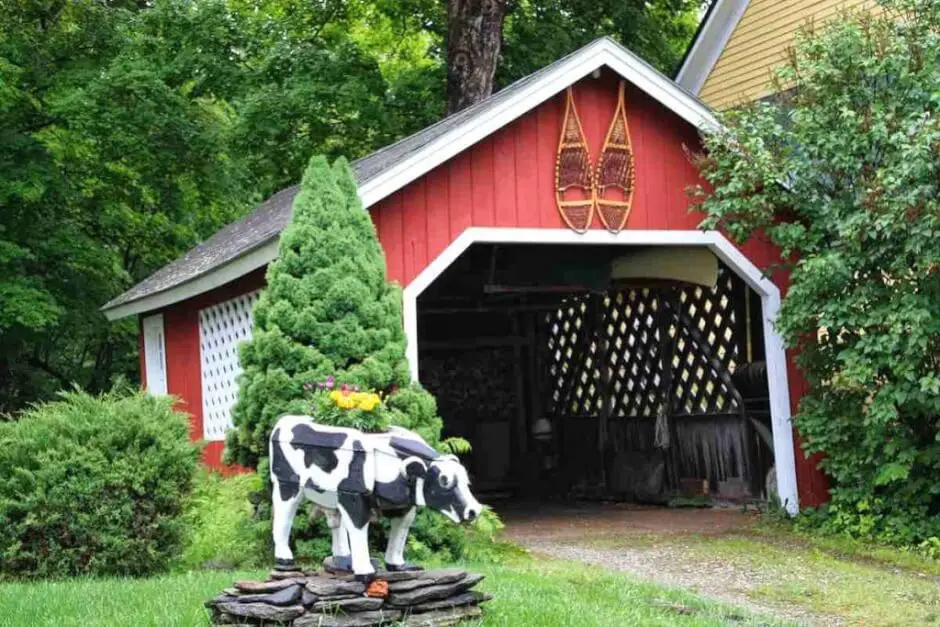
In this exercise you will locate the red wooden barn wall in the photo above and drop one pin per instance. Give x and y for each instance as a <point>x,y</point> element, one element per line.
<point>507,180</point>
<point>183,371</point>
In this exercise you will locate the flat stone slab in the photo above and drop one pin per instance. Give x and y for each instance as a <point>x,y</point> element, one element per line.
<point>287,596</point>
<point>262,611</point>
<point>399,575</point>
<point>286,574</point>
<point>429,578</point>
<point>466,598</point>
<point>444,575</point>
<point>264,587</point>
<point>433,593</point>
<point>323,587</point>
<point>348,606</point>
<point>362,619</point>
<point>412,584</point>
<point>444,618</point>
<point>225,597</point>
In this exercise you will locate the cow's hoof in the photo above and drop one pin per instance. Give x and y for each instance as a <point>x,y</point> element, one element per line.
<point>406,567</point>
<point>366,578</point>
<point>284,564</point>
<point>342,565</point>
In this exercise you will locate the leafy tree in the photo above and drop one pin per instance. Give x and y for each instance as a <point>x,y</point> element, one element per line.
<point>842,173</point>
<point>109,171</point>
<point>327,312</point>
<point>540,31</point>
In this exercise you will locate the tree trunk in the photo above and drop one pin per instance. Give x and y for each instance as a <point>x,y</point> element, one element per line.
<point>475,35</point>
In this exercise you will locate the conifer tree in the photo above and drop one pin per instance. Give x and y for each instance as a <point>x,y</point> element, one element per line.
<point>328,310</point>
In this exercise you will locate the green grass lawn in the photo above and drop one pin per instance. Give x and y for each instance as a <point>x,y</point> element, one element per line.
<point>527,592</point>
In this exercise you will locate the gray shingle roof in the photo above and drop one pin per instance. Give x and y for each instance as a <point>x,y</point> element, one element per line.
<point>265,223</point>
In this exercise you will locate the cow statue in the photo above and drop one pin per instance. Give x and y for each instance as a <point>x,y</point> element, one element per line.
<point>348,475</point>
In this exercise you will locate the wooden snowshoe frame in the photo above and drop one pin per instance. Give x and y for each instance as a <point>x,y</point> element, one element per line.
<point>616,169</point>
<point>573,171</point>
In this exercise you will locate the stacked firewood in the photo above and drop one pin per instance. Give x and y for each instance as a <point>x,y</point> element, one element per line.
<point>469,384</point>
<point>318,599</point>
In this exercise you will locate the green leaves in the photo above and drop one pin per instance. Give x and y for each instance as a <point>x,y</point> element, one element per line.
<point>855,140</point>
<point>94,486</point>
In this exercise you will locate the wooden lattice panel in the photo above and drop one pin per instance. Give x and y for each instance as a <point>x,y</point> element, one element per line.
<point>647,342</point>
<point>221,328</point>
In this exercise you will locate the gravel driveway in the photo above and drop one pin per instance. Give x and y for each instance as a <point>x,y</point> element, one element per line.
<point>649,542</point>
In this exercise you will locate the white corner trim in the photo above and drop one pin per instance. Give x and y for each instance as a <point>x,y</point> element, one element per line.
<point>710,43</point>
<point>777,377</point>
<point>603,52</point>
<point>154,355</point>
<point>216,277</point>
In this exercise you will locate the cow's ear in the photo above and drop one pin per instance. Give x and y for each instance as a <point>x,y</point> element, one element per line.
<point>414,468</point>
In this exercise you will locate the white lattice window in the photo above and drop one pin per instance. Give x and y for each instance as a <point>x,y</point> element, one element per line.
<point>221,328</point>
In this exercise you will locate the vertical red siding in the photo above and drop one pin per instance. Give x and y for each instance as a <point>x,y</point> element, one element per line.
<point>508,179</point>
<point>184,375</point>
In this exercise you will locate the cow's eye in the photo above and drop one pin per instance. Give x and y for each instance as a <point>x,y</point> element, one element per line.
<point>446,482</point>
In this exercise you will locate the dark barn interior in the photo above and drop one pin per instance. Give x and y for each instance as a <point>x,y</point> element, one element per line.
<point>600,372</point>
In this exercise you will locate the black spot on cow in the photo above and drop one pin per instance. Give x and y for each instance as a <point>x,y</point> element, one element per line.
<point>407,447</point>
<point>395,493</point>
<point>355,480</point>
<point>356,506</point>
<point>319,447</point>
<point>352,492</point>
<point>288,481</point>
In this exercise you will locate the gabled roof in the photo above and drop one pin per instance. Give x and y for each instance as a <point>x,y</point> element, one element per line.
<point>251,242</point>
<point>709,42</point>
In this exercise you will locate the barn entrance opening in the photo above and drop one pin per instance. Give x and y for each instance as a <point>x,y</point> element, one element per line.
<point>600,372</point>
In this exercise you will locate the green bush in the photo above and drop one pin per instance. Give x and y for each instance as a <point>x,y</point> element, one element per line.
<point>94,485</point>
<point>841,173</point>
<point>223,529</point>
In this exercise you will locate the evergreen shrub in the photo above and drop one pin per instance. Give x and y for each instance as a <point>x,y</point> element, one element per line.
<point>94,486</point>
<point>329,313</point>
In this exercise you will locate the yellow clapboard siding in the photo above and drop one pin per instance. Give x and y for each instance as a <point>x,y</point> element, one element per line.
<point>759,43</point>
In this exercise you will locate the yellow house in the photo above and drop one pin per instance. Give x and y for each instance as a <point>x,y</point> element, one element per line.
<point>739,43</point>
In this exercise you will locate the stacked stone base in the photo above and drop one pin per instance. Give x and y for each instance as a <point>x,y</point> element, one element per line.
<point>319,599</point>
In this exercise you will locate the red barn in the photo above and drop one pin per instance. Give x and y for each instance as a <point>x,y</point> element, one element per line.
<point>629,362</point>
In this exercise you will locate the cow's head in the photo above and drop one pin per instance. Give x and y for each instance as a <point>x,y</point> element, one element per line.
<point>443,485</point>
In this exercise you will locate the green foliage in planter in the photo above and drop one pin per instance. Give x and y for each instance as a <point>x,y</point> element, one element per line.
<point>94,485</point>
<point>842,172</point>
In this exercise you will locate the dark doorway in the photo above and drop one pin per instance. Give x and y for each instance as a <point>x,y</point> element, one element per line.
<point>573,383</point>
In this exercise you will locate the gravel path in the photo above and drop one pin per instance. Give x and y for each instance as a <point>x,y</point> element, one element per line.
<point>582,534</point>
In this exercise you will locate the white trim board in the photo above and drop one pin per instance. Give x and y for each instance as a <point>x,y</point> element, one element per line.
<point>777,377</point>
<point>710,43</point>
<point>154,355</point>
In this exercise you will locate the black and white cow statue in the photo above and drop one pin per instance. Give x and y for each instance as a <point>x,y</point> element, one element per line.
<point>349,475</point>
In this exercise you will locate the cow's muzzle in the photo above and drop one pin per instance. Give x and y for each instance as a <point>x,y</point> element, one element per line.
<point>472,513</point>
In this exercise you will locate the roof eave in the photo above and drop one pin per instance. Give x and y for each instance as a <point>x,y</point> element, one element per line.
<point>234,268</point>
<point>710,41</point>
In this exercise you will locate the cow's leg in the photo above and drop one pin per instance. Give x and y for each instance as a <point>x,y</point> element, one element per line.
<point>354,519</point>
<point>397,538</point>
<point>286,499</point>
<point>341,559</point>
